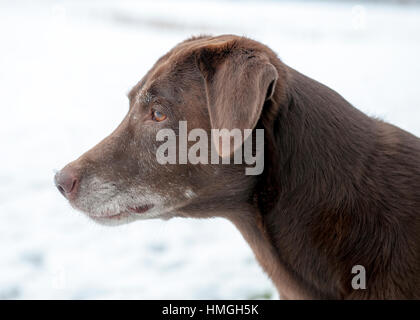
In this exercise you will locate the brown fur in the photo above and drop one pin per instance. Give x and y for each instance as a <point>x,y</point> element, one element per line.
<point>339,188</point>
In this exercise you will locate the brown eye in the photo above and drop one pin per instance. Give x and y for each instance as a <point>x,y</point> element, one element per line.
<point>158,116</point>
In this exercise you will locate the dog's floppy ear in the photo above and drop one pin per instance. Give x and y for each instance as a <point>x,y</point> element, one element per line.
<point>238,81</point>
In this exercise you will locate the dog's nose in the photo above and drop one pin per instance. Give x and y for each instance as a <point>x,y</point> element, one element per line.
<point>66,182</point>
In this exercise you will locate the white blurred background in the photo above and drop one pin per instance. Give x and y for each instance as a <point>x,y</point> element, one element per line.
<point>65,69</point>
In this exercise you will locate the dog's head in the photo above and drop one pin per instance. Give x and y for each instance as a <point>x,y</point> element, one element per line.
<point>208,82</point>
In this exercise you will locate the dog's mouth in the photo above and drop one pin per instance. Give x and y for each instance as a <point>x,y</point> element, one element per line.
<point>131,211</point>
<point>141,209</point>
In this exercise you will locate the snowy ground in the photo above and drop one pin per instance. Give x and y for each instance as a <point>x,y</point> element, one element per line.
<point>65,68</point>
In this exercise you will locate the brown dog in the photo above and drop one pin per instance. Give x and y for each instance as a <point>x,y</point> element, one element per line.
<point>339,189</point>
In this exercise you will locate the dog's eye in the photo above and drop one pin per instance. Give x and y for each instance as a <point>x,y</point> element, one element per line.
<point>158,116</point>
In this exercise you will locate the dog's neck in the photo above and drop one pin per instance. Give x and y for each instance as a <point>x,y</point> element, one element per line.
<point>319,124</point>
<point>235,206</point>
<point>252,227</point>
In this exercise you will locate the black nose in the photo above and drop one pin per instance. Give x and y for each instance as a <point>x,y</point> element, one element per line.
<point>66,182</point>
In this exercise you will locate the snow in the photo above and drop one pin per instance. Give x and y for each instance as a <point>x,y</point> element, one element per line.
<point>65,68</point>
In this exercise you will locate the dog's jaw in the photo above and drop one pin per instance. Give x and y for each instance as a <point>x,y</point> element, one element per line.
<point>106,204</point>
<point>103,201</point>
